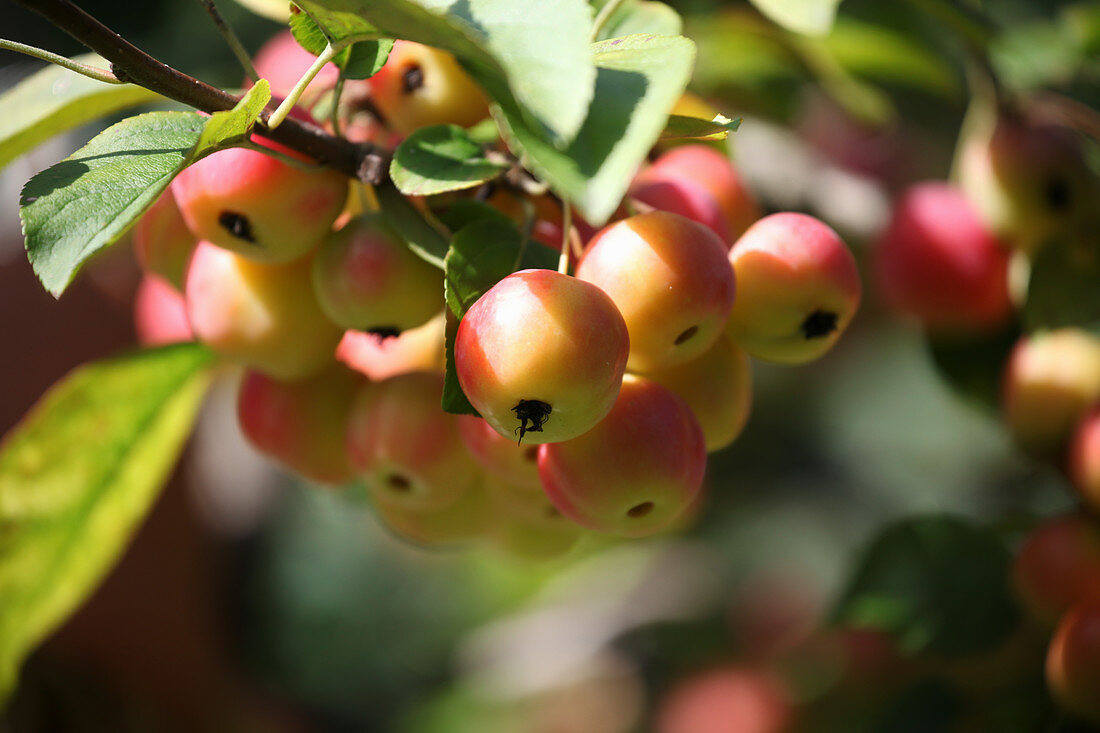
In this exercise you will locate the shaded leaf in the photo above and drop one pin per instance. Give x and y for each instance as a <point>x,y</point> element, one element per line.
<point>1064,287</point>
<point>428,242</point>
<point>361,60</point>
<point>441,158</point>
<point>679,127</point>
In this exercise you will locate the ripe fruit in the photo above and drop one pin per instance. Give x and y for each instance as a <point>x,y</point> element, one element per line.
<point>465,519</point>
<point>1083,462</point>
<point>1058,566</point>
<point>725,700</point>
<point>366,278</point>
<point>283,61</point>
<point>685,197</point>
<point>160,314</point>
<point>300,424</point>
<point>405,447</point>
<point>162,242</point>
<point>527,540</point>
<point>541,355</point>
<point>257,206</point>
<point>416,350</point>
<point>669,277</point>
<point>500,456</point>
<point>1050,381</point>
<point>1073,661</point>
<point>634,473</point>
<point>717,386</point>
<point>798,289</point>
<point>420,85</point>
<point>937,262</point>
<point>263,315</point>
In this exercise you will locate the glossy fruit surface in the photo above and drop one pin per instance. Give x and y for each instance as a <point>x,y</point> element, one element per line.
<point>162,242</point>
<point>500,456</point>
<point>469,517</point>
<point>419,349</point>
<point>160,314</point>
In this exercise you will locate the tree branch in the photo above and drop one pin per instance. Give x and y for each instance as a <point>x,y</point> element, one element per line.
<point>365,162</point>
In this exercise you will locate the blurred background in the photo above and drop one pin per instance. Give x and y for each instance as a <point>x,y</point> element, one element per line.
<point>249,601</point>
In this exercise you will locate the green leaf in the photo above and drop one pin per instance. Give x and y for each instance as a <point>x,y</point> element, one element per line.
<point>361,60</point>
<point>77,207</point>
<point>809,17</point>
<point>55,100</point>
<point>939,584</point>
<point>1064,287</point>
<point>423,238</point>
<point>639,80</point>
<point>466,211</point>
<point>642,16</point>
<point>364,59</point>
<point>441,158</point>
<point>533,59</point>
<point>874,52</point>
<point>679,127</point>
<point>77,475</point>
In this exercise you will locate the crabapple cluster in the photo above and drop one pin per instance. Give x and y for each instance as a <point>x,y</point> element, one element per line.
<point>599,393</point>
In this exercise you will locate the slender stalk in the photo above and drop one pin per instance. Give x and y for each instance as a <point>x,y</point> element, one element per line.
<point>604,15</point>
<point>566,227</point>
<point>91,72</point>
<point>330,52</point>
<point>231,39</point>
<point>334,115</point>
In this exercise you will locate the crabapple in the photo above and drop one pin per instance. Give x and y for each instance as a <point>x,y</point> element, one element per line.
<point>1083,460</point>
<point>685,197</point>
<point>798,289</point>
<point>1073,661</point>
<point>525,539</point>
<point>500,456</point>
<point>542,354</point>
<point>717,386</point>
<point>257,206</point>
<point>470,516</point>
<point>634,473</point>
<point>725,700</point>
<point>300,424</point>
<point>669,277</point>
<point>1050,381</point>
<point>264,315</point>
<point>160,314</point>
<point>420,85</point>
<point>419,349</point>
<point>405,447</point>
<point>1058,566</point>
<point>936,261</point>
<point>162,242</point>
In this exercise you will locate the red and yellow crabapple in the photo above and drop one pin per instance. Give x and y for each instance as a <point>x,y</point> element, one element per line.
<point>405,447</point>
<point>262,315</point>
<point>1083,460</point>
<point>541,355</point>
<point>420,85</point>
<point>419,349</point>
<point>726,700</point>
<point>1073,661</point>
<point>634,473</point>
<point>160,313</point>
<point>798,289</point>
<point>366,278</point>
<point>469,517</point>
<point>500,456</point>
<point>300,424</point>
<point>258,206</point>
<point>682,196</point>
<point>937,262</point>
<point>524,539</point>
<point>669,277</point>
<point>1057,566</point>
<point>162,242</point>
<point>1051,380</point>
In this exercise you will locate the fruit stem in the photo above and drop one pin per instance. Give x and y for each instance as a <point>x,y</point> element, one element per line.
<point>91,72</point>
<point>231,39</point>
<point>291,99</point>
<point>602,17</point>
<point>566,226</point>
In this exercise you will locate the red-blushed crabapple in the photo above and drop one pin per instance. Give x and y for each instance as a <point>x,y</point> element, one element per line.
<point>283,61</point>
<point>712,169</point>
<point>262,315</point>
<point>366,278</point>
<point>669,277</point>
<point>541,355</point>
<point>1073,661</point>
<point>725,700</point>
<point>162,242</point>
<point>419,349</point>
<point>1083,460</point>
<point>937,262</point>
<point>634,473</point>
<point>300,424</point>
<point>405,447</point>
<point>685,197</point>
<point>1050,381</point>
<point>160,314</point>
<point>258,206</point>
<point>500,456</point>
<point>420,85</point>
<point>717,386</point>
<point>798,289</point>
<point>1057,566</point>
<point>468,518</point>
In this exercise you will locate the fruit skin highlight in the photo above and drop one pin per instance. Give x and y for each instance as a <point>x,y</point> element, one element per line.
<point>541,356</point>
<point>798,289</point>
<point>1073,661</point>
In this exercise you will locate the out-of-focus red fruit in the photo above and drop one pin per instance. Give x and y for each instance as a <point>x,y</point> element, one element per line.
<point>1083,462</point>
<point>798,289</point>
<point>405,447</point>
<point>500,456</point>
<point>937,262</point>
<point>300,424</point>
<point>160,314</point>
<point>262,315</point>
<point>162,242</point>
<point>669,277</point>
<point>419,349</point>
<point>1073,661</point>
<point>469,517</point>
<point>527,539</point>
<point>1058,566</point>
<point>282,61</point>
<point>1050,382</point>
<point>725,700</point>
<point>541,355</point>
<point>684,197</point>
<point>634,473</point>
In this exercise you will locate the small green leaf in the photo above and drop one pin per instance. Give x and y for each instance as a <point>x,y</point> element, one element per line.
<point>875,52</point>
<point>77,475</point>
<point>55,100</point>
<point>441,158</point>
<point>938,584</point>
<point>364,59</point>
<point>361,60</point>
<point>809,17</point>
<point>466,211</point>
<point>77,207</point>
<point>680,127</point>
<point>1064,287</point>
<point>642,16</point>
<point>306,31</point>
<point>423,238</point>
